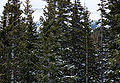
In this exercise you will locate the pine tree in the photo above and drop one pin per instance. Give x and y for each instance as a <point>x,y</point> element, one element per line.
<point>50,37</point>
<point>63,7</point>
<point>102,44</point>
<point>75,56</point>
<point>27,60</point>
<point>113,22</point>
<point>9,34</point>
<point>107,38</point>
<point>83,51</point>
<point>74,43</point>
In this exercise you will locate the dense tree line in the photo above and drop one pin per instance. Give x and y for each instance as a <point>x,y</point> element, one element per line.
<point>63,49</point>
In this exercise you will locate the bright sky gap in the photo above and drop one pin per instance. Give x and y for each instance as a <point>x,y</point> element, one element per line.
<point>37,5</point>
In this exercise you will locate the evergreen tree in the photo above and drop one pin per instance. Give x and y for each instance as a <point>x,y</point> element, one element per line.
<point>63,7</point>
<point>75,26</point>
<point>109,35</point>
<point>27,60</point>
<point>83,52</point>
<point>103,42</point>
<point>75,56</point>
<point>113,22</point>
<point>50,54</point>
<point>9,34</point>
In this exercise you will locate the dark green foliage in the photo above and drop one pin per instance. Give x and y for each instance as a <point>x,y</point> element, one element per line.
<point>19,60</point>
<point>50,46</point>
<point>75,46</point>
<point>27,59</point>
<point>114,23</point>
<point>10,31</point>
<point>62,51</point>
<point>109,31</point>
<point>64,35</point>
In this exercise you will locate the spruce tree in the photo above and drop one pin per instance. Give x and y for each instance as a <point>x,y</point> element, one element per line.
<point>113,22</point>
<point>83,51</point>
<point>9,35</point>
<point>103,52</point>
<point>27,60</point>
<point>76,44</point>
<point>63,7</point>
<point>75,23</point>
<point>50,37</point>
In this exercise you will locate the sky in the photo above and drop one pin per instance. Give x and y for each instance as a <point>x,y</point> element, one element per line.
<point>37,6</point>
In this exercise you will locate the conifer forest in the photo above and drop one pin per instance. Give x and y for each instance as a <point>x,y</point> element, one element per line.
<point>64,48</point>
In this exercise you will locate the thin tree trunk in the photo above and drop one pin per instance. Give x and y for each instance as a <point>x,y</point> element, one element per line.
<point>86,58</point>
<point>101,53</point>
